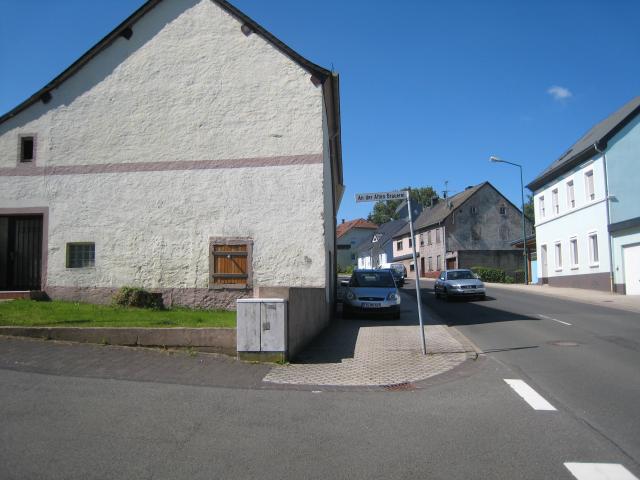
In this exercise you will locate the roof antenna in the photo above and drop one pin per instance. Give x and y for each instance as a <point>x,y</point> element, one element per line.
<point>332,70</point>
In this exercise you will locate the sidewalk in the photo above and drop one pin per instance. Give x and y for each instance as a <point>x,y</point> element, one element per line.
<point>376,353</point>
<point>360,354</point>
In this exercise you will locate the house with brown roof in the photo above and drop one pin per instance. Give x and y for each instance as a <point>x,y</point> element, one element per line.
<point>472,228</point>
<point>349,234</point>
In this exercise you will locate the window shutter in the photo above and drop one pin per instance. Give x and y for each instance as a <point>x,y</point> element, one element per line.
<point>229,264</point>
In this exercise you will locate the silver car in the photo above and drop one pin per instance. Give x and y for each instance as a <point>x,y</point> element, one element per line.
<point>371,291</point>
<point>459,283</point>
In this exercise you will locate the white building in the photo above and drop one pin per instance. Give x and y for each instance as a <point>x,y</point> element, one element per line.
<point>571,228</point>
<point>587,209</point>
<point>189,152</point>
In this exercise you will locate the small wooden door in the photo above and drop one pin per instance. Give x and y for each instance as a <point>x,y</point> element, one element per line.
<point>451,263</point>
<point>20,252</point>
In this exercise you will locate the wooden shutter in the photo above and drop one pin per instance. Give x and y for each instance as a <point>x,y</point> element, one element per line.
<point>230,264</point>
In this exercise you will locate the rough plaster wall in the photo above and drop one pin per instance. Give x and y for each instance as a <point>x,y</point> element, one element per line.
<point>187,86</point>
<point>487,229</point>
<point>152,240</point>
<point>188,70</point>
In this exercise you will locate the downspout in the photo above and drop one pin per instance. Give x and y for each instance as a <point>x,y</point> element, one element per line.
<point>606,203</point>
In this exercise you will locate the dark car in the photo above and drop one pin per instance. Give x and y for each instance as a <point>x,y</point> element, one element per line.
<point>459,283</point>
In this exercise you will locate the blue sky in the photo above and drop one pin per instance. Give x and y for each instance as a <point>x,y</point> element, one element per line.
<point>429,89</point>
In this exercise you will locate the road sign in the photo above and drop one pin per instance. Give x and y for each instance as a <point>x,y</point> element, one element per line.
<point>380,196</point>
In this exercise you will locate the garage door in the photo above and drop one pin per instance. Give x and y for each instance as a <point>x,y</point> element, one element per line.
<point>632,269</point>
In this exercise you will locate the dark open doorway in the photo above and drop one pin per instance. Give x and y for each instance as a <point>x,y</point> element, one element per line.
<point>20,252</point>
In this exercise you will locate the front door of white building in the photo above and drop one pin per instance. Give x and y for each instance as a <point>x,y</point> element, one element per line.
<point>543,261</point>
<point>632,269</point>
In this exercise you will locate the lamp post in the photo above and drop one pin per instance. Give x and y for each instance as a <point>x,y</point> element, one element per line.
<point>495,159</point>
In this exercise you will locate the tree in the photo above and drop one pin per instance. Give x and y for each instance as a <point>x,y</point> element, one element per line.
<point>385,211</point>
<point>529,211</point>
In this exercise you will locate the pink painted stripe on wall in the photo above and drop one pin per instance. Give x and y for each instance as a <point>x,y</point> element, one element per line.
<point>27,171</point>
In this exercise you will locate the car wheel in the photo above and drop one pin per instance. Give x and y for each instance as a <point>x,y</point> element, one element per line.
<point>435,292</point>
<point>447,297</point>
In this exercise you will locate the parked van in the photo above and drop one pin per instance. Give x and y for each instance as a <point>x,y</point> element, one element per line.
<point>398,270</point>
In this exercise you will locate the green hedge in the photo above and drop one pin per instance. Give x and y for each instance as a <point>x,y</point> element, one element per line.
<point>493,275</point>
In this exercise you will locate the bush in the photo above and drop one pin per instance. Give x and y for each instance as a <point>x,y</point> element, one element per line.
<point>493,275</point>
<point>138,297</point>
<point>348,270</point>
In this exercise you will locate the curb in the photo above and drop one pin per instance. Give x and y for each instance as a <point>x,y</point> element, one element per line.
<point>216,340</point>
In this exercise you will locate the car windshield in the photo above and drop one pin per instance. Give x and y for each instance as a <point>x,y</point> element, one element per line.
<point>397,268</point>
<point>462,275</point>
<point>372,279</point>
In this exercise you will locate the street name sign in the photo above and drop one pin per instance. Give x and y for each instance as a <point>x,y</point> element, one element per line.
<point>380,196</point>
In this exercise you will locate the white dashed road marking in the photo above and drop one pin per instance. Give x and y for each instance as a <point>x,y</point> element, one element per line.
<point>554,319</point>
<point>529,395</point>
<point>599,471</point>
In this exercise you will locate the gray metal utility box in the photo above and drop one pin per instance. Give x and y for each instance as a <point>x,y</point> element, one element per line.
<point>262,329</point>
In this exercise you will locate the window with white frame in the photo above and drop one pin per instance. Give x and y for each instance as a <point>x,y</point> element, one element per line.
<point>571,198</point>
<point>399,245</point>
<point>421,240</point>
<point>554,202</point>
<point>558,251</point>
<point>593,249</point>
<point>438,262</point>
<point>437,235</point>
<point>588,185</point>
<point>541,207</point>
<point>573,249</point>
<point>429,237</point>
<point>431,264</point>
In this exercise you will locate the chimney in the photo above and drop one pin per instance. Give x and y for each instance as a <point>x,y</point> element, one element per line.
<point>343,220</point>
<point>470,186</point>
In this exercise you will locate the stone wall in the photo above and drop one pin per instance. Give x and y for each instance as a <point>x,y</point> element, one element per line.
<point>507,260</point>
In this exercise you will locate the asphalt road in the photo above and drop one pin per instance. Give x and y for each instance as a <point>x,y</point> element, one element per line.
<point>583,358</point>
<point>127,413</point>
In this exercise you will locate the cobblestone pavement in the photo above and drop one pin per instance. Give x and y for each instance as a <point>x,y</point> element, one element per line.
<point>374,353</point>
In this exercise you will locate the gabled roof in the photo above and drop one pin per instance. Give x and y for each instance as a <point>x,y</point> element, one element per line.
<point>384,233</point>
<point>344,227</point>
<point>441,210</point>
<point>125,29</point>
<point>593,141</point>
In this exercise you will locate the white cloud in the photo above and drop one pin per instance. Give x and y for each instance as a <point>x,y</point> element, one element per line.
<point>559,93</point>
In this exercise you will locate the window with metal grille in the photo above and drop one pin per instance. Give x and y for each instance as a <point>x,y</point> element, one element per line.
<point>81,255</point>
<point>230,263</point>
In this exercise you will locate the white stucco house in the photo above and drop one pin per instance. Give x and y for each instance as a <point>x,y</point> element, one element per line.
<point>170,156</point>
<point>587,209</point>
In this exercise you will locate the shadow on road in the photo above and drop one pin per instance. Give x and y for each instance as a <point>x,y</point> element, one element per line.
<point>464,311</point>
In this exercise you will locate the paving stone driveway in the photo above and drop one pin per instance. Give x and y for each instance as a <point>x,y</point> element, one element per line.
<point>375,352</point>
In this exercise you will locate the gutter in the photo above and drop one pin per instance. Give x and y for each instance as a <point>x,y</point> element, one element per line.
<point>607,207</point>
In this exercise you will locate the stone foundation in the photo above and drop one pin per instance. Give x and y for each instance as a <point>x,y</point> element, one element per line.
<point>204,298</point>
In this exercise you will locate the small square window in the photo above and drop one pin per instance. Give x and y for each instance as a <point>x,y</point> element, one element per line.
<point>399,245</point>
<point>27,149</point>
<point>503,210</point>
<point>81,255</point>
<point>474,210</point>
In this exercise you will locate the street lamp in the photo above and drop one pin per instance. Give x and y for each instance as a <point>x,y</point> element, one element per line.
<point>495,159</point>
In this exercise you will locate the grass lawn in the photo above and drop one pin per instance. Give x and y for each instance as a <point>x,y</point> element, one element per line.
<point>30,313</point>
